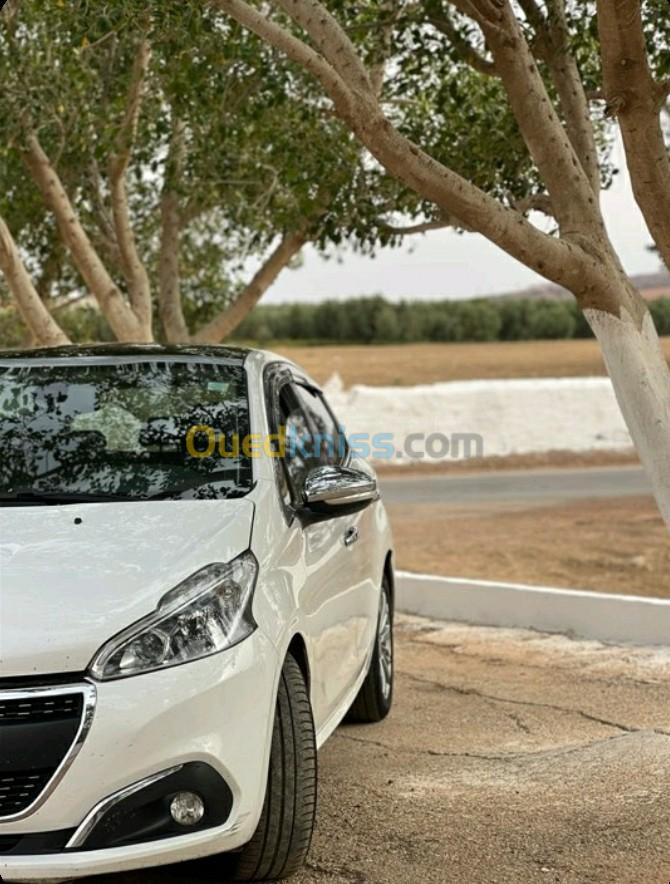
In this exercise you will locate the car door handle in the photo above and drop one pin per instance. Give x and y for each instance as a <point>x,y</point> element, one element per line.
<point>351,536</point>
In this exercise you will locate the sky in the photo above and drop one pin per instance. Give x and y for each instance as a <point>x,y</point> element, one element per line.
<point>444,264</point>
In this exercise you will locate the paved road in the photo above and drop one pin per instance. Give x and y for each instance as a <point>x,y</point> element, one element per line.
<point>510,757</point>
<point>517,486</point>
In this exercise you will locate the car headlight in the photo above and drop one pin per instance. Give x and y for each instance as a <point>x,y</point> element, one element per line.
<point>207,613</point>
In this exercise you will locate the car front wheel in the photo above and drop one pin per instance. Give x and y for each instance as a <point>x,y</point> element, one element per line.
<point>284,833</point>
<point>375,698</point>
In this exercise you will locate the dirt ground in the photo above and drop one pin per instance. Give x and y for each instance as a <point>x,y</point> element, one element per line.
<point>408,364</point>
<point>510,758</point>
<point>619,545</point>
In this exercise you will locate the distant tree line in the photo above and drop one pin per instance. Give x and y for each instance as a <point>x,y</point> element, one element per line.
<point>372,320</point>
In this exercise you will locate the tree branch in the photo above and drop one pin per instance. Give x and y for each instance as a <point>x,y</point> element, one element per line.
<point>534,15</point>
<point>105,237</point>
<point>556,50</point>
<point>393,11</point>
<point>125,138</point>
<point>555,157</point>
<point>39,320</point>
<point>331,41</point>
<point>227,321</point>
<point>485,12</point>
<point>412,229</point>
<point>120,316</point>
<point>635,98</point>
<point>462,46</point>
<point>134,271</point>
<point>51,271</point>
<point>537,202</point>
<point>9,11</point>
<point>562,262</point>
<point>293,48</point>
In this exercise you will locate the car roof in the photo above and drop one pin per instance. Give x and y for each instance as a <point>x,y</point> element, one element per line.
<point>253,359</point>
<point>123,351</point>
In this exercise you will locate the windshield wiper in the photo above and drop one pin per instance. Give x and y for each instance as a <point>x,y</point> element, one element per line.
<point>35,496</point>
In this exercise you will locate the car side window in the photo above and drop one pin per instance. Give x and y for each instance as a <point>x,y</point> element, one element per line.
<point>299,458</point>
<point>329,446</point>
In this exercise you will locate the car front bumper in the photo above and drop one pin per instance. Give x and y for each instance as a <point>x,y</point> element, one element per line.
<point>218,711</point>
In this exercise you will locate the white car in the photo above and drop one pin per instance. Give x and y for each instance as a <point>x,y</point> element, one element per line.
<point>196,588</point>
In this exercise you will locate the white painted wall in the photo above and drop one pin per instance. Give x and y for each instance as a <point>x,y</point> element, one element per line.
<point>514,416</point>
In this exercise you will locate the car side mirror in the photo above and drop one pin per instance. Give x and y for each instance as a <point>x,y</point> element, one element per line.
<point>338,491</point>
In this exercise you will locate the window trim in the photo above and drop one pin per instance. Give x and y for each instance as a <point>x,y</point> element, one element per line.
<point>276,376</point>
<point>301,381</point>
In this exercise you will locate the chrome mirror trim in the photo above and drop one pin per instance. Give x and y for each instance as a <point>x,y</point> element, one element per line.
<point>90,695</point>
<point>339,486</point>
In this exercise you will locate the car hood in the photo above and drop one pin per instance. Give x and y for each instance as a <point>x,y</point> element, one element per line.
<point>71,577</point>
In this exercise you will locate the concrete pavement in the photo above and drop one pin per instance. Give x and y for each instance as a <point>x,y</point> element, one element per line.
<point>511,757</point>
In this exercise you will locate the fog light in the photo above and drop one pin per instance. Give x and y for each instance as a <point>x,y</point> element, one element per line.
<point>187,809</point>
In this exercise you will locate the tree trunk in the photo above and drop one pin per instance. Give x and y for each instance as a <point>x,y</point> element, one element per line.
<point>639,372</point>
<point>169,289</point>
<point>114,306</point>
<point>134,271</point>
<point>169,272</point>
<point>227,321</point>
<point>43,327</point>
<point>635,99</point>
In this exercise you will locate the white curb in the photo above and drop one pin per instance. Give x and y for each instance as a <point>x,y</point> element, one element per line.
<point>589,615</point>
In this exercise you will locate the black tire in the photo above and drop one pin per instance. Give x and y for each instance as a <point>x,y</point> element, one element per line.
<point>375,698</point>
<point>284,833</point>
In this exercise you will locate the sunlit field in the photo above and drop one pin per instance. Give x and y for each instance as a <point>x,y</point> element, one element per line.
<point>408,364</point>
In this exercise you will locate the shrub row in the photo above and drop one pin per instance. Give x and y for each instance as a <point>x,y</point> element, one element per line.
<point>377,321</point>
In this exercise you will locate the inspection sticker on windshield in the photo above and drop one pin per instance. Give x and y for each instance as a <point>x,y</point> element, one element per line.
<point>218,387</point>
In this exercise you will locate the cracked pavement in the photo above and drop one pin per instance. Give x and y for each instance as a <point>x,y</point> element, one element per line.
<point>510,756</point>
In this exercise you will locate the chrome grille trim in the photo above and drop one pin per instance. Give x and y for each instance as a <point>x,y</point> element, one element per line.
<point>89,693</point>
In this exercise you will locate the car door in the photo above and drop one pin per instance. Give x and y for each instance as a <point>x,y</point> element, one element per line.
<point>335,595</point>
<point>357,600</point>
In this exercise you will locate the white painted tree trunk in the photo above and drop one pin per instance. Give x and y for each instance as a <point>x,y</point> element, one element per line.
<point>641,378</point>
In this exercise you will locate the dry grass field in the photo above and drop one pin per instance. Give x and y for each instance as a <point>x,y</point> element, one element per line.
<point>408,364</point>
<point>618,545</point>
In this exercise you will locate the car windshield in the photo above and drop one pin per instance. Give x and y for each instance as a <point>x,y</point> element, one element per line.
<point>123,429</point>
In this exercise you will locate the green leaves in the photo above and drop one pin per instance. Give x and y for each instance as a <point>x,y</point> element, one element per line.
<point>262,149</point>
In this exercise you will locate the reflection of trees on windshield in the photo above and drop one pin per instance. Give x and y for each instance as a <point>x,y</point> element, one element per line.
<point>121,428</point>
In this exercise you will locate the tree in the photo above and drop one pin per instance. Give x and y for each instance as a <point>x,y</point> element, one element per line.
<point>183,147</point>
<point>112,114</point>
<point>168,148</point>
<point>530,50</point>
